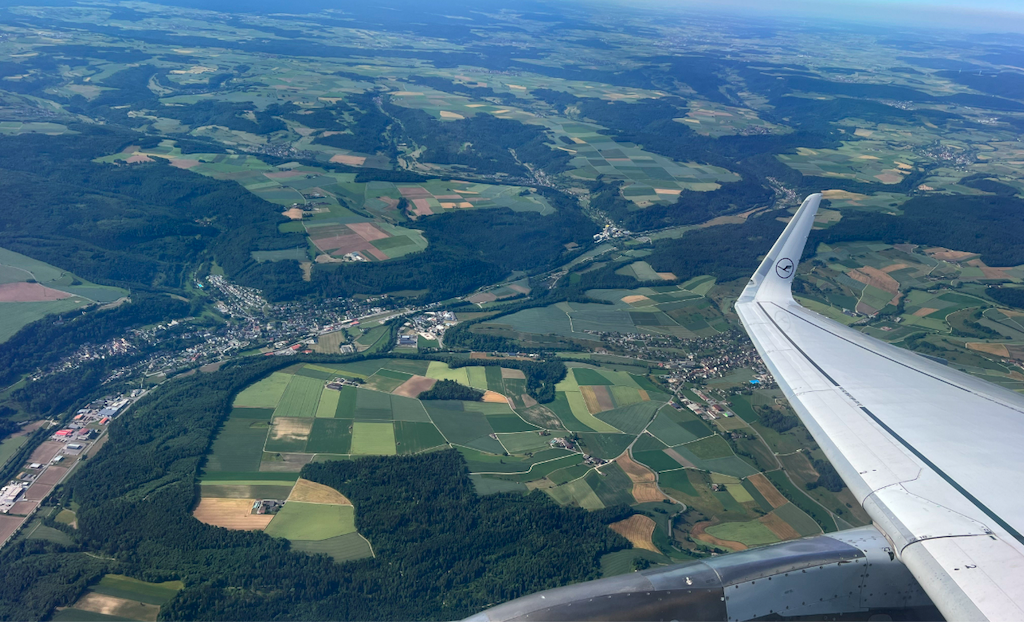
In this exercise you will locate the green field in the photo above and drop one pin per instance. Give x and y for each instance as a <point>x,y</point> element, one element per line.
<point>328,405</point>
<point>373,439</point>
<point>521,442</point>
<point>679,481</point>
<point>621,562</point>
<point>10,446</point>
<point>657,460</point>
<point>416,436</point>
<point>18,268</point>
<point>312,521</point>
<point>121,586</point>
<point>238,446</point>
<point>630,419</point>
<point>606,446</point>
<point>341,548</point>
<point>802,501</point>
<point>462,426</point>
<point>798,519</point>
<point>346,408</point>
<point>751,533</point>
<point>266,490</point>
<point>264,394</point>
<point>329,436</point>
<point>300,397</point>
<point>709,448</point>
<point>506,423</point>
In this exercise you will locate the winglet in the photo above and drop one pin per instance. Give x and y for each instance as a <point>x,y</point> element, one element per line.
<point>774,278</point>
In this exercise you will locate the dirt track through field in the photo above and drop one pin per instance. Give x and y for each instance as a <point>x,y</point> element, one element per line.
<point>638,529</point>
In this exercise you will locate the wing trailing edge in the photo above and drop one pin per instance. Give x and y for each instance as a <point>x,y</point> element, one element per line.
<point>894,425</point>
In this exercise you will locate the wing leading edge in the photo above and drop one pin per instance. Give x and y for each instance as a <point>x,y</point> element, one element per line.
<point>933,455</point>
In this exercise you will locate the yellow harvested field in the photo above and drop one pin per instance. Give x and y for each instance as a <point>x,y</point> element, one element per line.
<point>495,398</point>
<point>894,267</point>
<point>311,492</point>
<point>118,607</point>
<point>645,487</point>
<point>667,191</point>
<point>863,133</point>
<point>638,529</point>
<point>293,213</point>
<point>666,276</point>
<point>842,195</point>
<point>514,374</point>
<point>231,513</point>
<point>635,298</point>
<point>768,490</point>
<point>446,114</point>
<point>867,157</point>
<point>997,349</point>
<point>923,311</point>
<point>945,254</point>
<point>779,527</point>
<point>903,166</point>
<point>876,278</point>
<point>347,159</point>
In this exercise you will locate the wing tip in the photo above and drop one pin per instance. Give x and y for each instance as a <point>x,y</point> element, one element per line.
<point>774,277</point>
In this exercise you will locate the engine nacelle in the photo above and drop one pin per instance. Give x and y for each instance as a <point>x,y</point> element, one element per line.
<point>846,572</point>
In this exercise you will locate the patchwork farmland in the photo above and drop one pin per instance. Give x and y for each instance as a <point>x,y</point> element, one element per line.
<point>609,437</point>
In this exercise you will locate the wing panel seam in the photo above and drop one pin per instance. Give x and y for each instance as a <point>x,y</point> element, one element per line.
<point>920,456</point>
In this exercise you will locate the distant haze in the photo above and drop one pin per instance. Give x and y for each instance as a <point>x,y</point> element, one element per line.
<point>983,16</point>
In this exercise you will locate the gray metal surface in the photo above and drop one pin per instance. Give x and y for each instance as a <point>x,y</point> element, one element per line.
<point>933,455</point>
<point>846,572</point>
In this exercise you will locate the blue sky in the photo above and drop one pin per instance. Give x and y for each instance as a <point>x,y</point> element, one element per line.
<point>963,15</point>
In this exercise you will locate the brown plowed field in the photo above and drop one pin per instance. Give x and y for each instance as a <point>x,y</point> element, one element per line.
<point>52,475</point>
<point>8,525</point>
<point>37,492</point>
<point>638,529</point>
<point>645,487</point>
<point>29,292</point>
<point>231,513</point>
<point>414,386</point>
<point>598,398</point>
<point>779,527</point>
<point>311,492</point>
<point>768,490</point>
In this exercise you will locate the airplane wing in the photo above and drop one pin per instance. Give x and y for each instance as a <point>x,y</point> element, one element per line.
<point>935,456</point>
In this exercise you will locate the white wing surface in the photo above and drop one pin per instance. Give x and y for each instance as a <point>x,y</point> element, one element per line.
<point>935,456</point>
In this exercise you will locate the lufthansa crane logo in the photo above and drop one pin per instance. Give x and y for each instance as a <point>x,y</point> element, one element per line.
<point>784,268</point>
